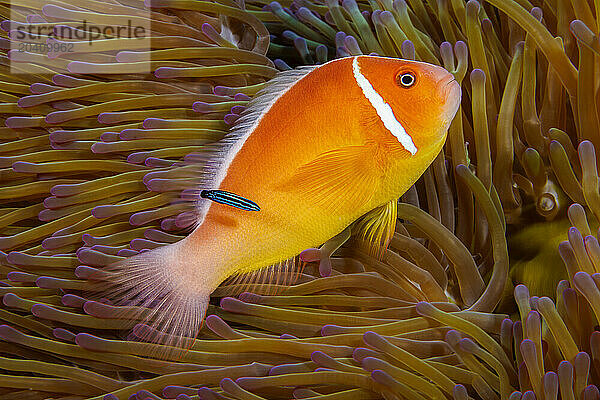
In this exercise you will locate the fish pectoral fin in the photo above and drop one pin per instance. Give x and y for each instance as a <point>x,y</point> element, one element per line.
<point>341,178</point>
<point>374,230</point>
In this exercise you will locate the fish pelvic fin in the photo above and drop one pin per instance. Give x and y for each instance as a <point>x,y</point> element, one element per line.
<point>339,179</point>
<point>374,230</point>
<point>161,292</point>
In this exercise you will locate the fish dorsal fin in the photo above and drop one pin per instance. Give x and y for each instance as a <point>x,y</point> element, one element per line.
<point>260,104</point>
<point>374,230</point>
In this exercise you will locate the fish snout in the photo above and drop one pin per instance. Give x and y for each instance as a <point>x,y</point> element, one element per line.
<point>448,89</point>
<point>450,93</point>
<point>447,86</point>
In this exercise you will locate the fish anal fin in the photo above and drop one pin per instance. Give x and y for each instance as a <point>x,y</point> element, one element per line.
<point>340,178</point>
<point>374,230</point>
<point>270,280</point>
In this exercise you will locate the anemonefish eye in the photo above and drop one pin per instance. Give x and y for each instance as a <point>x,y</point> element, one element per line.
<point>406,79</point>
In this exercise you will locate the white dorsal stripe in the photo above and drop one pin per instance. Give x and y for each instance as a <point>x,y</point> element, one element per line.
<point>383,109</point>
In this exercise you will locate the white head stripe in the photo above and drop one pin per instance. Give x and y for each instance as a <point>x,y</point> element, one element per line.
<point>383,109</point>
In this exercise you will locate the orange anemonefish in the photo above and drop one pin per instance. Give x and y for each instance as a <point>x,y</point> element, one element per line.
<point>316,150</point>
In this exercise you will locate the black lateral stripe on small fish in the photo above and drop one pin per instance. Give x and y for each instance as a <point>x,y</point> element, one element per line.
<point>230,199</point>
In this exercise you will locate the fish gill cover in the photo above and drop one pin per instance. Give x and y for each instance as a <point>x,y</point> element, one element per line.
<point>489,288</point>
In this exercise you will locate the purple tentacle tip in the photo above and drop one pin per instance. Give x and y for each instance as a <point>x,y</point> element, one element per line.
<point>201,107</point>
<point>10,300</point>
<point>287,336</point>
<point>230,118</point>
<point>249,297</point>
<point>63,334</point>
<point>241,97</point>
<point>328,330</point>
<point>310,255</point>
<point>205,393</point>
<point>325,267</point>
<point>221,90</point>
<point>237,110</point>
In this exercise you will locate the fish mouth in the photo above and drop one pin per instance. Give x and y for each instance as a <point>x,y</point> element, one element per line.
<point>447,81</point>
<point>451,93</point>
<point>447,88</point>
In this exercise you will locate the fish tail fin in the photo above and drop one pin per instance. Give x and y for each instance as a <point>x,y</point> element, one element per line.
<point>163,290</point>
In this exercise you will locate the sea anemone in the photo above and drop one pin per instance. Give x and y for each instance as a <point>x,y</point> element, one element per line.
<point>489,287</point>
